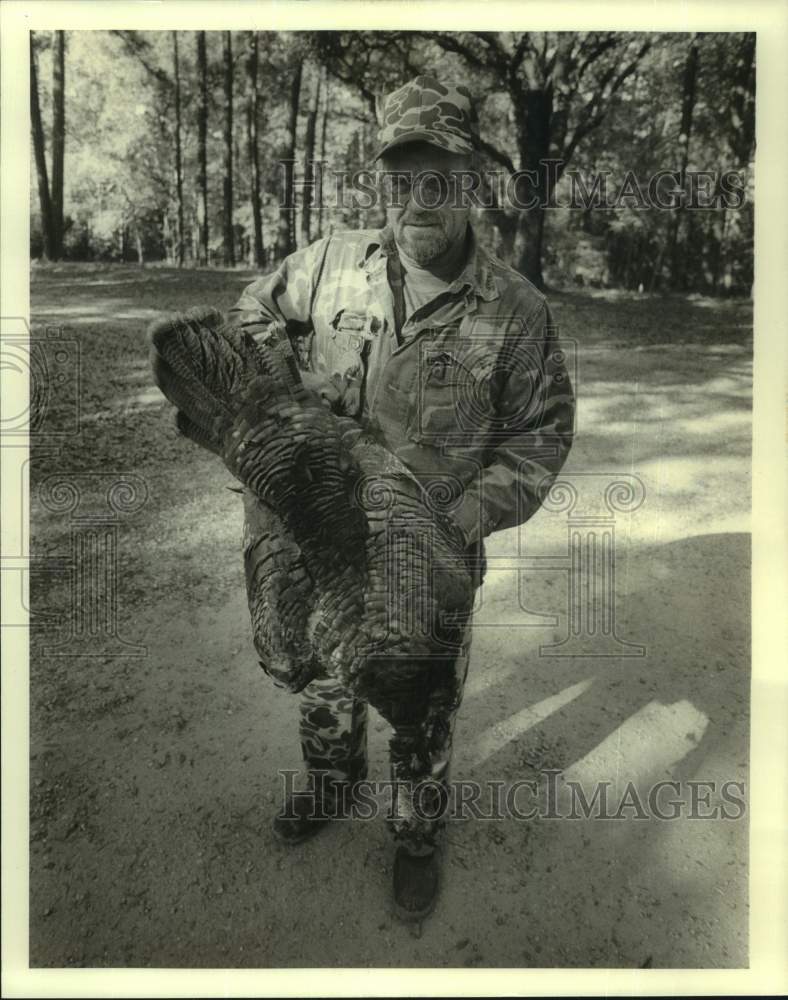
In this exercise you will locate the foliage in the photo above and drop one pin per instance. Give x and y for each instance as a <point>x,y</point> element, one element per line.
<point>609,104</point>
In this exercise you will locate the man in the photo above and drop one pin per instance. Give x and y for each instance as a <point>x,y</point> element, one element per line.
<point>450,358</point>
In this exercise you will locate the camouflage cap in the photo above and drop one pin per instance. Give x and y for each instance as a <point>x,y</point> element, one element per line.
<point>427,110</point>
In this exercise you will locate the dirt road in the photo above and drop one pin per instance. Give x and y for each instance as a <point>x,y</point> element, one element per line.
<point>154,764</point>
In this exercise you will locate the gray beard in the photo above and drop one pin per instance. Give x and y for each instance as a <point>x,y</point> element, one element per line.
<point>424,251</point>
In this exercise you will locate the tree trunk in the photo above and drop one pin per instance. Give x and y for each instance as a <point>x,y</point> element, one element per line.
<point>528,240</point>
<point>742,102</point>
<point>742,142</point>
<point>534,188</point>
<point>285,239</point>
<point>252,115</point>
<point>688,90</point>
<point>309,167</point>
<point>324,128</point>
<point>202,141</point>
<point>169,241</point>
<point>656,274</point>
<point>178,162</point>
<point>58,138</point>
<point>39,151</point>
<point>229,242</point>
<point>138,241</point>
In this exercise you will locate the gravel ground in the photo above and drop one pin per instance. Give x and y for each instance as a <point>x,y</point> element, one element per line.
<point>154,776</point>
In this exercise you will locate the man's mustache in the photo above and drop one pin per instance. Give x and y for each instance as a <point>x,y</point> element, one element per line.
<point>423,219</point>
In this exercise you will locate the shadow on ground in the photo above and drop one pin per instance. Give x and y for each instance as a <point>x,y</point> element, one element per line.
<point>154,778</point>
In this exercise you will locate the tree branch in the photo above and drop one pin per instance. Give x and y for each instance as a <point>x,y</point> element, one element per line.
<point>449,44</point>
<point>520,50</point>
<point>499,56</point>
<point>593,113</point>
<point>139,49</point>
<point>496,154</point>
<point>596,52</point>
<point>630,69</point>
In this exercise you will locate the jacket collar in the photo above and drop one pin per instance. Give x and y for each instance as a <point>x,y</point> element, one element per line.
<point>476,275</point>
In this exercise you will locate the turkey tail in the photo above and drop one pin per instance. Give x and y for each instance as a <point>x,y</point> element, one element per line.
<point>196,370</point>
<point>206,367</point>
<point>202,368</point>
<point>348,574</point>
<point>205,438</point>
<point>273,353</point>
<point>281,598</point>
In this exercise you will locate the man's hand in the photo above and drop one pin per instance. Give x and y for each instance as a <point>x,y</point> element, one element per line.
<point>322,387</point>
<point>453,531</point>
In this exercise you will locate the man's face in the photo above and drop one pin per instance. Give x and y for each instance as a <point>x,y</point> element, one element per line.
<point>425,232</point>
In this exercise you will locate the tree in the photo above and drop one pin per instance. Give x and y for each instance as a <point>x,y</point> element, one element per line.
<point>688,95</point>
<point>252,116</point>
<point>58,137</point>
<point>139,115</point>
<point>372,62</point>
<point>309,166</point>
<point>741,107</point>
<point>39,149</point>
<point>285,239</point>
<point>202,157</point>
<point>50,198</point>
<point>178,153</point>
<point>227,187</point>
<point>735,66</point>
<point>323,133</point>
<point>561,87</point>
<point>165,159</point>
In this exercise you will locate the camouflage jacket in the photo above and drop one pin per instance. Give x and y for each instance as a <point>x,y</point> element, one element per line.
<point>473,394</point>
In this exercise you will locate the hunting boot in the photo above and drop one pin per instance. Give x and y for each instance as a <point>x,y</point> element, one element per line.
<point>416,878</point>
<point>306,813</point>
<point>299,820</point>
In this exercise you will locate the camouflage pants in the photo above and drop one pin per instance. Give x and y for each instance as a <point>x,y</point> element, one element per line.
<point>333,732</point>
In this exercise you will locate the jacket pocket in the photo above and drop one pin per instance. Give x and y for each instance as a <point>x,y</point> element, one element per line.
<point>341,356</point>
<point>450,403</point>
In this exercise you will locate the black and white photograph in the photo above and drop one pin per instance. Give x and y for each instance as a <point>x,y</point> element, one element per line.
<point>384,549</point>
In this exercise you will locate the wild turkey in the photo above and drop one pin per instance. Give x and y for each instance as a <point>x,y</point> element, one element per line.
<point>350,572</point>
